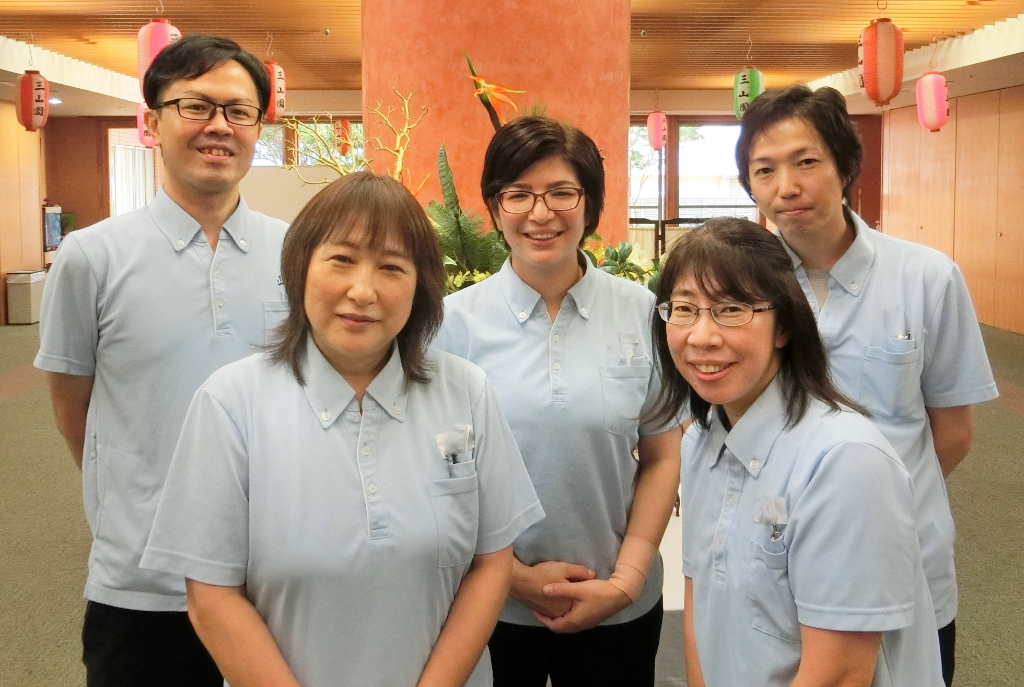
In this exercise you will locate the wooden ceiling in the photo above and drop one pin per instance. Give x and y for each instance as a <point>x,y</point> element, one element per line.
<point>676,44</point>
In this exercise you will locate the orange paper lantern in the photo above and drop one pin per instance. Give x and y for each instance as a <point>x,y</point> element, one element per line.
<point>154,37</point>
<point>145,137</point>
<point>31,100</point>
<point>880,61</point>
<point>932,106</point>
<point>657,129</point>
<point>277,91</point>
<point>342,134</point>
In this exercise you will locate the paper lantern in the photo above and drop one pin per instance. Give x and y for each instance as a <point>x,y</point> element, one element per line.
<point>746,85</point>
<point>657,129</point>
<point>31,100</point>
<point>342,134</point>
<point>154,37</point>
<point>145,137</point>
<point>880,61</point>
<point>277,88</point>
<point>932,106</point>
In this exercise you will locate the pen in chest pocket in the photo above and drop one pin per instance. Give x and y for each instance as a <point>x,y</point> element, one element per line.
<point>454,444</point>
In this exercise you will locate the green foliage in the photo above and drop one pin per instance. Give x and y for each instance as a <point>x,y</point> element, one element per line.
<point>470,255</point>
<point>616,261</point>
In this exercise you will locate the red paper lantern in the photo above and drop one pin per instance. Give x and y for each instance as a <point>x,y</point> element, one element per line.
<point>657,129</point>
<point>145,137</point>
<point>154,37</point>
<point>880,61</point>
<point>932,106</point>
<point>342,134</point>
<point>31,100</point>
<point>277,91</point>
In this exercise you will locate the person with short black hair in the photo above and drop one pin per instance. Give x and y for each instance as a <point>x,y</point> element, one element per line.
<point>566,347</point>
<point>895,316</point>
<point>799,541</point>
<point>344,504</point>
<point>138,310</point>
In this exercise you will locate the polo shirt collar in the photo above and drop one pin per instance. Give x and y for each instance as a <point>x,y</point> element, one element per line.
<point>329,394</point>
<point>852,269</point>
<point>751,439</point>
<point>180,227</point>
<point>522,299</point>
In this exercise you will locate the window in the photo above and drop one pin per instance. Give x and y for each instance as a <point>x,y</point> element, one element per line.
<point>281,145</point>
<point>694,178</point>
<point>132,171</point>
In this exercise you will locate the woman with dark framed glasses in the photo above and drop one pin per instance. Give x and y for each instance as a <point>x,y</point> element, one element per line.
<point>567,349</point>
<point>800,551</point>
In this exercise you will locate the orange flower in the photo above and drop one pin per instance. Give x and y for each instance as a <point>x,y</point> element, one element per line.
<point>494,93</point>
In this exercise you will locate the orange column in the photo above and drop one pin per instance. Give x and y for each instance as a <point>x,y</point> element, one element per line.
<point>570,57</point>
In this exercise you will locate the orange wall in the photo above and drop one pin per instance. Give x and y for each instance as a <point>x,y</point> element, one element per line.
<point>571,57</point>
<point>21,198</point>
<point>961,191</point>
<point>77,168</point>
<point>867,192</point>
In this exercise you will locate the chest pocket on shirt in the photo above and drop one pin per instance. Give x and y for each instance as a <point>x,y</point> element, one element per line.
<point>772,606</point>
<point>274,313</point>
<point>624,389</point>
<point>890,383</point>
<point>456,505</point>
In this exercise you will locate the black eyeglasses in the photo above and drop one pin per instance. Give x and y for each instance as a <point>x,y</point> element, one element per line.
<point>727,313</point>
<point>201,110</point>
<point>519,202</point>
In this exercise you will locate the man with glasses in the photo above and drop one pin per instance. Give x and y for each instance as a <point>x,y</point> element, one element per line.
<point>138,311</point>
<point>895,316</point>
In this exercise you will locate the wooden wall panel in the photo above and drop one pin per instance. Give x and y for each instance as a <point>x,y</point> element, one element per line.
<point>977,165</point>
<point>867,192</point>
<point>902,161</point>
<point>77,166</point>
<point>1009,243</point>
<point>21,223</point>
<point>937,177</point>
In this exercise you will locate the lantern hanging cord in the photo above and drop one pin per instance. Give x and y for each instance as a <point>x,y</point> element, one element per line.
<point>750,45</point>
<point>935,50</point>
<point>657,98</point>
<point>160,7</point>
<point>270,42</point>
<point>881,5</point>
<point>31,42</point>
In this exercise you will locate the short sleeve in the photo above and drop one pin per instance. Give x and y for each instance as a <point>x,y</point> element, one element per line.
<point>68,328</point>
<point>201,529</point>
<point>653,389</point>
<point>956,369</point>
<point>853,544</point>
<point>508,502</point>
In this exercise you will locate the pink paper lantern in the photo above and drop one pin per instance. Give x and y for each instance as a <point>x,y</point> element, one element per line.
<point>31,100</point>
<point>932,106</point>
<point>657,129</point>
<point>277,94</point>
<point>145,137</point>
<point>880,61</point>
<point>154,37</point>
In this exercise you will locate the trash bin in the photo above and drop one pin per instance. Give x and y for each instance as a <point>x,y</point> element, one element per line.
<point>24,294</point>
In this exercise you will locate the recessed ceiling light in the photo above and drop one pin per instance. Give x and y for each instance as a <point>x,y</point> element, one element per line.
<point>54,100</point>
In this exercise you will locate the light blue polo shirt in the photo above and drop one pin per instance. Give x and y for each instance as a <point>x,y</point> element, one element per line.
<point>350,530</point>
<point>572,391</point>
<point>902,336</point>
<point>141,303</point>
<point>846,556</point>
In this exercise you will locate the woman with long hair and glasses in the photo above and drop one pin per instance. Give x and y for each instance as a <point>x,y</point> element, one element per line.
<point>568,350</point>
<point>343,505</point>
<point>800,552</point>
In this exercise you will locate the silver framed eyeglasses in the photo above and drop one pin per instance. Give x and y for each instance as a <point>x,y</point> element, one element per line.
<point>519,201</point>
<point>726,313</point>
<point>201,110</point>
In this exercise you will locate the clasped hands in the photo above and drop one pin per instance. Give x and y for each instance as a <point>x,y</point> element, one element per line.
<point>565,597</point>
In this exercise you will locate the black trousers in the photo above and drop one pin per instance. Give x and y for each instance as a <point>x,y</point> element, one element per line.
<point>623,654</point>
<point>947,645</point>
<point>126,648</point>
